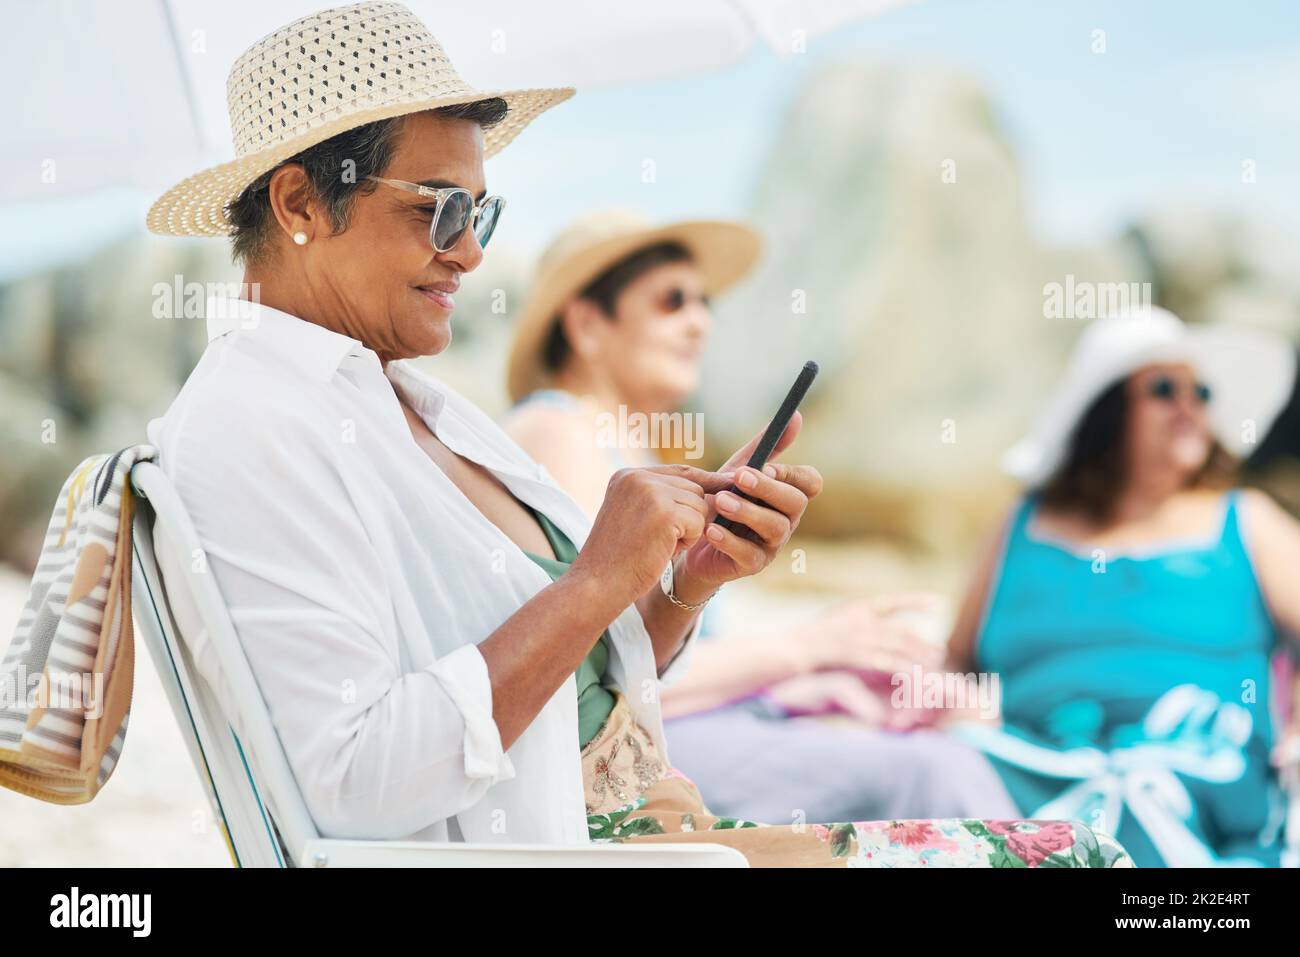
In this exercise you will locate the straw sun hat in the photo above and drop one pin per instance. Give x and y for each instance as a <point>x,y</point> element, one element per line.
<point>722,251</point>
<point>320,76</point>
<point>1250,375</point>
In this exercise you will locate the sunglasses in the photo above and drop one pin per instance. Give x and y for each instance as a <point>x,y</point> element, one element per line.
<point>676,299</point>
<point>1168,390</point>
<point>454,211</point>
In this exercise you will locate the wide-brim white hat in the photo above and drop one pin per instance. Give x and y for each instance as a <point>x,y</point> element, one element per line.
<point>320,76</point>
<point>1250,374</point>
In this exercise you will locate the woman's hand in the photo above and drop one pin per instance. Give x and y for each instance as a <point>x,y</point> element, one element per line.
<point>648,516</point>
<point>885,634</point>
<point>848,650</point>
<point>829,692</point>
<point>781,494</point>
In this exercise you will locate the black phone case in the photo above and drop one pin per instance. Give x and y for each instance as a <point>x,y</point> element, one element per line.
<point>771,435</point>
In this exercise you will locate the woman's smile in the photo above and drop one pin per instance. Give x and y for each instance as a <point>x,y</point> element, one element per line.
<point>438,296</point>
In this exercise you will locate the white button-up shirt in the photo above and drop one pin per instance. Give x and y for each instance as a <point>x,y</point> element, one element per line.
<point>360,580</point>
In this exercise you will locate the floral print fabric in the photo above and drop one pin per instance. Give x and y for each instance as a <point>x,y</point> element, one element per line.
<point>670,810</point>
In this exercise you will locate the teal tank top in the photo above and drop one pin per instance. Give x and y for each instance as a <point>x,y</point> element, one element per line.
<point>595,701</point>
<point>1083,647</point>
<point>1085,644</point>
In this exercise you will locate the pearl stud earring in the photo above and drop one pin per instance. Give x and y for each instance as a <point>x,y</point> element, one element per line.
<point>300,238</point>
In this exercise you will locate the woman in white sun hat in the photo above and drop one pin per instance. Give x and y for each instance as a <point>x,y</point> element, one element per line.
<point>1134,597</point>
<point>367,525</point>
<point>617,318</point>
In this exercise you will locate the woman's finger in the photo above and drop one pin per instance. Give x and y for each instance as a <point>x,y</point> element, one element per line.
<point>695,502</point>
<point>749,557</point>
<point>856,700</point>
<point>690,519</point>
<point>782,496</point>
<point>768,524</point>
<point>679,484</point>
<point>889,603</point>
<point>708,481</point>
<point>803,477</point>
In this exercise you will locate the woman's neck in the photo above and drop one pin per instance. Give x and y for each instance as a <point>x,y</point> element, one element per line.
<point>1145,493</point>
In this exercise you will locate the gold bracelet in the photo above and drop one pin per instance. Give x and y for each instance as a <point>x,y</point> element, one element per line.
<point>666,585</point>
<point>695,607</point>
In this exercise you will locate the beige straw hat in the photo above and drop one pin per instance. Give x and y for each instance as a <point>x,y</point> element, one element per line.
<point>320,76</point>
<point>723,252</point>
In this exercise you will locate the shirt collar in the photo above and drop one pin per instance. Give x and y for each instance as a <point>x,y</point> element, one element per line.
<point>419,390</point>
<point>315,350</point>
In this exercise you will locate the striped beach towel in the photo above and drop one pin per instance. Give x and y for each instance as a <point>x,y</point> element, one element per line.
<point>65,682</point>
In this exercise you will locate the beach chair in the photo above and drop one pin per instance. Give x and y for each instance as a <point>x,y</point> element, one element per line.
<point>254,796</point>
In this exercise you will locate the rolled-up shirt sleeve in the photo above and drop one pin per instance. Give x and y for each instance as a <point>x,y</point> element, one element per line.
<point>378,752</point>
<point>464,677</point>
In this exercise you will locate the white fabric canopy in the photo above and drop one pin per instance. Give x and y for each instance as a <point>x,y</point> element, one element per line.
<point>132,93</point>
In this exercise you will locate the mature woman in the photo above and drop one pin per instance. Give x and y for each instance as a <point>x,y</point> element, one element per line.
<point>1134,596</point>
<point>616,320</point>
<point>369,528</point>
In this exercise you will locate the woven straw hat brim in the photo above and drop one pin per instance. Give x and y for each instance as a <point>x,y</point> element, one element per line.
<point>196,205</point>
<point>724,252</point>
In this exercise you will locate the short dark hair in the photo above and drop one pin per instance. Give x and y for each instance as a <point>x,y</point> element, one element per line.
<point>1095,465</point>
<point>369,147</point>
<point>604,291</point>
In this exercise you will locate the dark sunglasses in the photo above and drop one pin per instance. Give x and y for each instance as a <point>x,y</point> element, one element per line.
<point>454,211</point>
<point>1168,390</point>
<point>676,299</point>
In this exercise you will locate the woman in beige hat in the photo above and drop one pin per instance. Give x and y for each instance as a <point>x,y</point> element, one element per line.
<point>612,333</point>
<point>1134,597</point>
<point>370,530</point>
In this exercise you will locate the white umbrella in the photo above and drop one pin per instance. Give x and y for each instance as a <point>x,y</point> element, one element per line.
<point>132,93</point>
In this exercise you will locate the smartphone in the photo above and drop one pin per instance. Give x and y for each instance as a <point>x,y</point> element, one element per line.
<point>772,435</point>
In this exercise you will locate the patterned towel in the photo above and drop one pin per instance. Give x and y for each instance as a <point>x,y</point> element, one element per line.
<point>65,682</point>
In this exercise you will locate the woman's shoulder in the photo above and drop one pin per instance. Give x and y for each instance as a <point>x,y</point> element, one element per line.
<point>1220,508</point>
<point>999,539</point>
<point>1257,500</point>
<point>550,398</point>
<point>228,401</point>
<point>551,422</point>
<point>1017,515</point>
<point>1264,519</point>
<point>1271,537</point>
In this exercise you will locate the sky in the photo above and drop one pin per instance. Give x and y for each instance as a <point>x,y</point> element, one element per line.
<point>1182,95</point>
